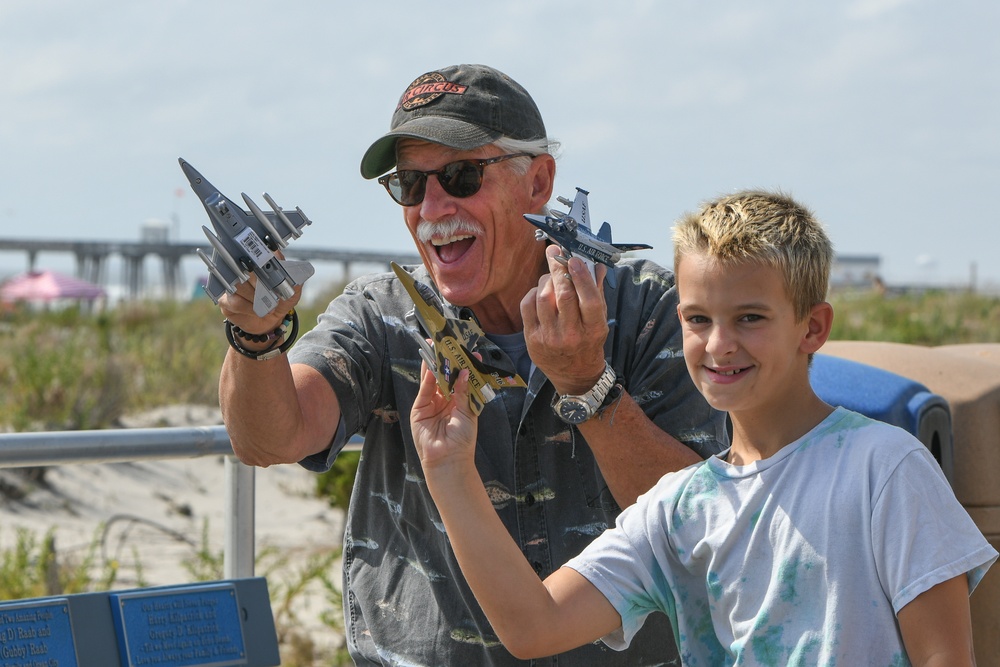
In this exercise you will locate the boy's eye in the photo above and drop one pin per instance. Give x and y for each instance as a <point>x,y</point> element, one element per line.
<point>752,317</point>
<point>696,319</point>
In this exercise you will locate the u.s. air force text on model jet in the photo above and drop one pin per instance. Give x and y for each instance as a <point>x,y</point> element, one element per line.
<point>571,231</point>
<point>244,242</point>
<point>454,340</point>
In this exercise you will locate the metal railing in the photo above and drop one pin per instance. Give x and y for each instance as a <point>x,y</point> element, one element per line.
<point>22,450</point>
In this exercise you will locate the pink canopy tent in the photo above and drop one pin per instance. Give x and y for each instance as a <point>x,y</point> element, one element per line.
<point>48,286</point>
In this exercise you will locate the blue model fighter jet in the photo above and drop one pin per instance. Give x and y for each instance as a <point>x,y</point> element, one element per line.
<point>571,231</point>
<point>244,242</point>
<point>453,341</point>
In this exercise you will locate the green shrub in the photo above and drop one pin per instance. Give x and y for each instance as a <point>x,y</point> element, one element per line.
<point>925,318</point>
<point>32,568</point>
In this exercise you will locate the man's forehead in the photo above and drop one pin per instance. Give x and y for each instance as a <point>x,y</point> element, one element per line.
<point>409,148</point>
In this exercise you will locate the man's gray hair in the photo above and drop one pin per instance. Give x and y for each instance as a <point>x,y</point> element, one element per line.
<point>532,147</point>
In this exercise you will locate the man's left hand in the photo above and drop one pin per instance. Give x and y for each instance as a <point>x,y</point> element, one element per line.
<point>566,323</point>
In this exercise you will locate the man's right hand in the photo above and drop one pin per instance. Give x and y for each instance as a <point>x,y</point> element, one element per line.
<point>238,308</point>
<point>274,413</point>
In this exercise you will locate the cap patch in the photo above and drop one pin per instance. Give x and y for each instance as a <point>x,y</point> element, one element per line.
<point>427,88</point>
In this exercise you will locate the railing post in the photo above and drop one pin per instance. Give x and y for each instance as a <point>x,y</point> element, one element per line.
<point>238,554</point>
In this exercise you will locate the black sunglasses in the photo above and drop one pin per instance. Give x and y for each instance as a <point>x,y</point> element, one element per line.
<point>461,178</point>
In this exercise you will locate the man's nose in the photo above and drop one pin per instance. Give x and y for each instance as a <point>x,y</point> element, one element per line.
<point>437,203</point>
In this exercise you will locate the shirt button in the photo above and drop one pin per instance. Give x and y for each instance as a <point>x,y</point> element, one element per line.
<point>537,566</point>
<point>529,500</point>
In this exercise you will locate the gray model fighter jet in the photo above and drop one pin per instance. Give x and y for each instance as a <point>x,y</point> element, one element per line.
<point>571,231</point>
<point>453,341</point>
<point>244,242</point>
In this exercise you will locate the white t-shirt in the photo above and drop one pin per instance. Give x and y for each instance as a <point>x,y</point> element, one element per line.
<point>803,558</point>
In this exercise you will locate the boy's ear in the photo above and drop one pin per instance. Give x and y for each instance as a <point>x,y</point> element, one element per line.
<point>819,323</point>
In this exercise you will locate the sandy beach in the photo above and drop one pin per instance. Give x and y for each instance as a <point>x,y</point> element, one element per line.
<point>154,518</point>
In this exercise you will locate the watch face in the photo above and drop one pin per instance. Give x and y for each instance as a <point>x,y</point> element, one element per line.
<point>573,411</point>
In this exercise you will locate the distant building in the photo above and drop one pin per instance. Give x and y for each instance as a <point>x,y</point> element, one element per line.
<point>855,271</point>
<point>154,231</point>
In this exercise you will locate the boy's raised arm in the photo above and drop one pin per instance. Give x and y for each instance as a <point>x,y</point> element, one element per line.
<point>532,618</point>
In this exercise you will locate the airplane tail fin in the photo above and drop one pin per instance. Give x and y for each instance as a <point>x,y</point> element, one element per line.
<point>298,271</point>
<point>605,233</point>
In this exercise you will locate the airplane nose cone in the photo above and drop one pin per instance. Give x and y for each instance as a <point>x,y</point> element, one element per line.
<point>192,174</point>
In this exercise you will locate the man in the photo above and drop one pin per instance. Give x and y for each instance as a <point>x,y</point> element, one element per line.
<point>472,156</point>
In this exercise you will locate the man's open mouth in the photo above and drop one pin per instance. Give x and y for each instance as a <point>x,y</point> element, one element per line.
<point>452,248</point>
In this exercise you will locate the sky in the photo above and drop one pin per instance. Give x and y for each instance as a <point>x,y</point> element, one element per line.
<point>882,116</point>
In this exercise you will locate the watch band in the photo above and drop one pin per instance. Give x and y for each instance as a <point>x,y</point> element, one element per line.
<point>578,409</point>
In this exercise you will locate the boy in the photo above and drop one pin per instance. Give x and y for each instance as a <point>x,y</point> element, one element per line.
<point>819,537</point>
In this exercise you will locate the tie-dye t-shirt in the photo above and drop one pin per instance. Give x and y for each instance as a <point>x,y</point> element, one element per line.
<point>802,558</point>
<point>405,599</point>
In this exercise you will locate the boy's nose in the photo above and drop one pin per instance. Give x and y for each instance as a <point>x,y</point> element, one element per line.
<point>720,342</point>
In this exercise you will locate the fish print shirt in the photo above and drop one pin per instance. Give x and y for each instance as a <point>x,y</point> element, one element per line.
<point>405,599</point>
<point>800,559</point>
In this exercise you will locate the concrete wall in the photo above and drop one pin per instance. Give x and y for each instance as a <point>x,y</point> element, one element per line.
<point>968,377</point>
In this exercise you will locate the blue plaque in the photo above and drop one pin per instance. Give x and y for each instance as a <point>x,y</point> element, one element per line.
<point>37,634</point>
<point>182,626</point>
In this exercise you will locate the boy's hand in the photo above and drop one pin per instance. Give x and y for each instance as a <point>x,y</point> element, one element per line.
<point>444,429</point>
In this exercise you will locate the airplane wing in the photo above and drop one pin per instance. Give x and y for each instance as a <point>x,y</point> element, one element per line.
<point>605,235</point>
<point>277,222</point>
<point>626,247</point>
<point>496,377</point>
<point>221,279</point>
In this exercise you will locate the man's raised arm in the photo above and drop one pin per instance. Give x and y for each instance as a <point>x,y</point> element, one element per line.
<point>274,412</point>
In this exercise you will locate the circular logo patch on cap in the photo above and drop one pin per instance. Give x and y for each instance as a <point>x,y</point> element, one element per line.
<point>427,88</point>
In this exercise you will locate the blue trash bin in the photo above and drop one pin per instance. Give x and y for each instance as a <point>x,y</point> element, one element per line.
<point>890,398</point>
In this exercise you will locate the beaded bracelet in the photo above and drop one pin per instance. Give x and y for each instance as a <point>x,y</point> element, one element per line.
<point>261,338</point>
<point>280,338</point>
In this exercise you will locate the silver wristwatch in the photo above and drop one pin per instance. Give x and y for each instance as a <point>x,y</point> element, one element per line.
<point>578,409</point>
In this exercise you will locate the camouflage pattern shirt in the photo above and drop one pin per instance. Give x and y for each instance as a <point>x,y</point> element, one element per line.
<point>405,599</point>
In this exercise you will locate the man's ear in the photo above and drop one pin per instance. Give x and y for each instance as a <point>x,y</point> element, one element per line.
<point>819,322</point>
<point>543,177</point>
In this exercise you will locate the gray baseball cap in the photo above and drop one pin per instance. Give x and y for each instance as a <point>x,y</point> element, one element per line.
<point>462,107</point>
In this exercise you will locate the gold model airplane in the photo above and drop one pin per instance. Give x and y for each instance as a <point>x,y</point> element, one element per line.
<point>454,340</point>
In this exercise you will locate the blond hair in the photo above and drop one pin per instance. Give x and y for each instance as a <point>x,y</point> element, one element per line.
<point>768,228</point>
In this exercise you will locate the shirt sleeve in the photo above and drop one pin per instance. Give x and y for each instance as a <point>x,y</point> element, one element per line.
<point>348,347</point>
<point>921,535</point>
<point>622,564</point>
